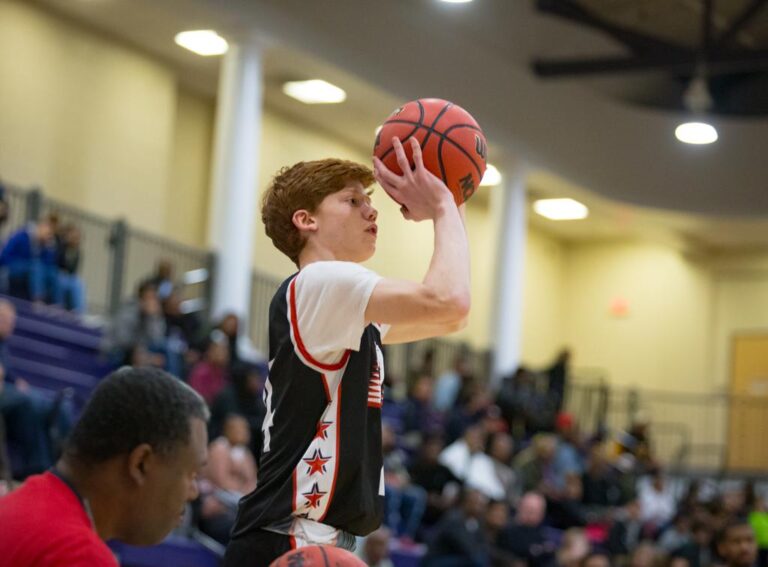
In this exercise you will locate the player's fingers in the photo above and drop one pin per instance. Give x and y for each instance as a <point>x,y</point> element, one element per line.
<point>381,171</point>
<point>418,161</point>
<point>405,212</point>
<point>402,159</point>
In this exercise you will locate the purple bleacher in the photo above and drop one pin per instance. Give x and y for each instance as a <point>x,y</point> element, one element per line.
<point>174,551</point>
<point>53,350</point>
<point>409,556</point>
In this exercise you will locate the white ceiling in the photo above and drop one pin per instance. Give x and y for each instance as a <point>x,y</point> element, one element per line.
<point>582,140</point>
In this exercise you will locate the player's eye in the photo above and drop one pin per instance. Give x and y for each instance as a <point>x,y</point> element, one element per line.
<point>354,201</point>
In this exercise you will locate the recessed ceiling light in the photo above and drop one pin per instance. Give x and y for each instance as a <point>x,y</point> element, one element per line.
<point>315,91</point>
<point>561,209</point>
<point>202,42</point>
<point>491,177</point>
<point>696,133</point>
<point>457,1</point>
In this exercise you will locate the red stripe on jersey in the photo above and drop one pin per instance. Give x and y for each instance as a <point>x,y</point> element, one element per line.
<point>338,457</point>
<point>327,389</point>
<point>300,344</point>
<point>292,541</point>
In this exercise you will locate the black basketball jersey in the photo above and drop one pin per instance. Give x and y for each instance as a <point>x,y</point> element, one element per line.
<point>321,457</point>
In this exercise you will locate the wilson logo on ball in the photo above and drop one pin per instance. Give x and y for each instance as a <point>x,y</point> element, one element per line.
<point>481,147</point>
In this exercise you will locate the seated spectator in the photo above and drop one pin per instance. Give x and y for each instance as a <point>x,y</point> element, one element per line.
<point>596,559</point>
<point>138,322</point>
<point>436,479</point>
<point>241,348</point>
<point>627,531</point>
<point>231,474</point>
<point>467,460</point>
<point>500,450</point>
<point>182,335</point>
<point>697,552</point>
<point>71,290</point>
<point>375,549</point>
<point>599,481</point>
<point>243,396</point>
<point>574,548</point>
<point>418,417</point>
<point>211,375</point>
<point>468,412</point>
<point>524,404</point>
<point>646,555</point>
<point>568,458</point>
<point>536,468</point>
<point>657,502</point>
<point>162,279</point>
<point>460,540</point>
<point>128,471</point>
<point>564,507</point>
<point>35,424</point>
<point>29,257</point>
<point>524,538</point>
<point>557,375</point>
<point>736,544</point>
<point>446,391</point>
<point>677,534</point>
<point>404,502</point>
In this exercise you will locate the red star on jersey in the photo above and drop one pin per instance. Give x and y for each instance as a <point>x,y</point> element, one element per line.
<point>321,427</point>
<point>316,462</point>
<point>314,496</point>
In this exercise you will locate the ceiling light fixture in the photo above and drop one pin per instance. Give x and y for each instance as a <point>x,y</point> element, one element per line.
<point>457,1</point>
<point>561,209</point>
<point>202,42</point>
<point>698,100</point>
<point>491,177</point>
<point>315,91</point>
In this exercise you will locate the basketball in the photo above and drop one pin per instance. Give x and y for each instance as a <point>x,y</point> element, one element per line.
<point>453,145</point>
<point>318,556</point>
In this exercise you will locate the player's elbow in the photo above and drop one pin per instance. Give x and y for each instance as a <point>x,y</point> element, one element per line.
<point>456,308</point>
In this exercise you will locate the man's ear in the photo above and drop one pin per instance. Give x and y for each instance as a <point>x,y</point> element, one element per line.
<point>304,220</point>
<point>140,462</point>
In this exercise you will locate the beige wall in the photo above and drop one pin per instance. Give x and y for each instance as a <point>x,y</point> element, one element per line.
<point>88,120</point>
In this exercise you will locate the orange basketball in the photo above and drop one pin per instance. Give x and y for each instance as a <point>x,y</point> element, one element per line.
<point>318,556</point>
<point>453,145</point>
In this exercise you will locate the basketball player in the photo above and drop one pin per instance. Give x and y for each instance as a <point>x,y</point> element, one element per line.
<point>320,475</point>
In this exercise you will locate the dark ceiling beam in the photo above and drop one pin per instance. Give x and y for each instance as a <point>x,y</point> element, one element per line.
<point>739,23</point>
<point>638,42</point>
<point>719,63</point>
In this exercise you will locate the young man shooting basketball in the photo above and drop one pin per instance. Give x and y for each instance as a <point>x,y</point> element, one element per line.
<point>320,472</point>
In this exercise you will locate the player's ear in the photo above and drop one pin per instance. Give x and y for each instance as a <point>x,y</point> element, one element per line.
<point>304,220</point>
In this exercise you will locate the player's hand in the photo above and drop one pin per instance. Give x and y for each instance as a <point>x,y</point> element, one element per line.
<point>422,195</point>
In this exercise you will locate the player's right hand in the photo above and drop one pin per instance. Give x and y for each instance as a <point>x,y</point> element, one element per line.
<point>422,195</point>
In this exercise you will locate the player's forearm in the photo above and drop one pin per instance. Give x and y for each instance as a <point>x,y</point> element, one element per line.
<point>448,274</point>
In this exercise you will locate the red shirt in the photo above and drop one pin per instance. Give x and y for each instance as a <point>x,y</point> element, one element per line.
<point>44,524</point>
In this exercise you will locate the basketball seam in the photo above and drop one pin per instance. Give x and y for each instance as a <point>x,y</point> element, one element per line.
<point>325,557</point>
<point>419,124</point>
<point>442,136</point>
<point>434,123</point>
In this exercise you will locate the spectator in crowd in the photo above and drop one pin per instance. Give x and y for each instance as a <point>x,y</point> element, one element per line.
<point>243,396</point>
<point>162,279</point>
<point>657,502</point>
<point>230,326</point>
<point>626,532</point>
<point>211,375</point>
<point>449,384</point>
<point>418,417</point>
<point>130,467</point>
<point>600,484</point>
<point>536,468</point>
<point>231,474</point>
<point>596,559</point>
<point>460,539</point>
<point>71,290</point>
<point>467,460</point>
<point>574,548</point>
<point>500,449</point>
<point>35,424</point>
<point>496,520</point>
<point>677,534</point>
<point>375,549</point>
<point>182,335</point>
<point>736,544</point>
<point>5,209</point>
<point>646,555</point>
<point>558,379</point>
<point>568,458</point>
<point>758,519</point>
<point>697,552</point>
<point>441,485</point>
<point>404,502</point>
<point>138,322</point>
<point>29,257</point>
<point>524,404</point>
<point>524,538</point>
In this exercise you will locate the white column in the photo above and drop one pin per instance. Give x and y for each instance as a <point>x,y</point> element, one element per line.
<point>233,177</point>
<point>508,321</point>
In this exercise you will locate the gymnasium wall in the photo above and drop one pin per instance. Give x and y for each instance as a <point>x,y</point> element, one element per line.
<point>109,129</point>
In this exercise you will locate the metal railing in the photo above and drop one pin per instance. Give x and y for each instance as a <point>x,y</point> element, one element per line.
<point>115,257</point>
